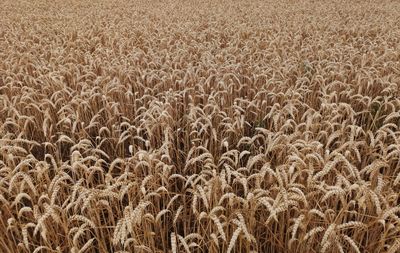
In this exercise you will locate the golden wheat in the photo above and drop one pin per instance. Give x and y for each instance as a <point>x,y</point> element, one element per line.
<point>187,126</point>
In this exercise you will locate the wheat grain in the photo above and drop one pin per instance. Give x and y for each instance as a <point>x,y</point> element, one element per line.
<point>233,239</point>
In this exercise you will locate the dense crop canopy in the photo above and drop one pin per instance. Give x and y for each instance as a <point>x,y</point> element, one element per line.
<point>199,126</point>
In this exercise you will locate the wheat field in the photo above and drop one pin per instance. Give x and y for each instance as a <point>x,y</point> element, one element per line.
<point>199,126</point>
